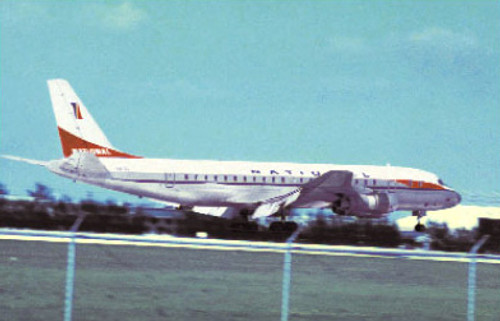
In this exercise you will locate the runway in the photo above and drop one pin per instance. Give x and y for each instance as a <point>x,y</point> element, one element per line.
<point>248,246</point>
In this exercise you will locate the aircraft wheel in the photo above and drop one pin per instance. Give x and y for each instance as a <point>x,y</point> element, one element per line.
<point>252,226</point>
<point>236,226</point>
<point>244,227</point>
<point>283,226</point>
<point>420,227</point>
<point>290,226</point>
<point>276,227</point>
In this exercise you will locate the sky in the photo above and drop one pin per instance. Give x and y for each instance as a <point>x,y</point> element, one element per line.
<point>410,83</point>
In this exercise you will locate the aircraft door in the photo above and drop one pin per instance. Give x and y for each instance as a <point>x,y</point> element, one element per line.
<point>169,180</point>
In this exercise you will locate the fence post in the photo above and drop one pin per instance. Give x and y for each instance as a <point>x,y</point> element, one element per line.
<point>70,269</point>
<point>287,271</point>
<point>471,296</point>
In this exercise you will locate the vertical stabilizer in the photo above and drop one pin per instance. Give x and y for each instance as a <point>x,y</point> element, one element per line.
<point>77,128</point>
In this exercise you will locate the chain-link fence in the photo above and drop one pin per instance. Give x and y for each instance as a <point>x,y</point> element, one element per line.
<point>161,278</point>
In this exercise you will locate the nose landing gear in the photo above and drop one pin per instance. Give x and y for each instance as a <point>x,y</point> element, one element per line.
<point>419,214</point>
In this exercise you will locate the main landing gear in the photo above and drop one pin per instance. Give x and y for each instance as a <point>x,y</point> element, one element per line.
<point>283,225</point>
<point>243,224</point>
<point>419,214</point>
<point>286,226</point>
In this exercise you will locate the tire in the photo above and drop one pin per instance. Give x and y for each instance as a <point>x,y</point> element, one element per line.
<point>276,227</point>
<point>420,228</point>
<point>290,226</point>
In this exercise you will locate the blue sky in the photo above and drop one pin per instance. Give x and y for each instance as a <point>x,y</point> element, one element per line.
<point>410,83</point>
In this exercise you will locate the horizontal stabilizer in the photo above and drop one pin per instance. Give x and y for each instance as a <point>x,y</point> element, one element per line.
<point>86,165</point>
<point>26,160</point>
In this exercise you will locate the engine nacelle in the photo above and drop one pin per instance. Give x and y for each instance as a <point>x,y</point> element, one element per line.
<point>364,204</point>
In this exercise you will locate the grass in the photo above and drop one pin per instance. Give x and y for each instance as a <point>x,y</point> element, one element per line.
<point>138,283</point>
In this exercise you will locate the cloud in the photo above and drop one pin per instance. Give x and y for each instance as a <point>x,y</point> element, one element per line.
<point>444,51</point>
<point>124,16</point>
<point>444,39</point>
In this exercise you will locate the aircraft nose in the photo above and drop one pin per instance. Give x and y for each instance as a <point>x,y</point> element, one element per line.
<point>455,198</point>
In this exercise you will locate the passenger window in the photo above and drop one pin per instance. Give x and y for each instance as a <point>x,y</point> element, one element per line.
<point>235,178</point>
<point>283,180</point>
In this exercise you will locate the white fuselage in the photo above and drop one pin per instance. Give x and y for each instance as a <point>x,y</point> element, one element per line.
<point>245,184</point>
<point>260,188</point>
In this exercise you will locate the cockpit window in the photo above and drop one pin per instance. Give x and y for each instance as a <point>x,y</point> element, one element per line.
<point>440,181</point>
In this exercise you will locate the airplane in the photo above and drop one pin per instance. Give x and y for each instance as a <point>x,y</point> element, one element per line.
<point>249,190</point>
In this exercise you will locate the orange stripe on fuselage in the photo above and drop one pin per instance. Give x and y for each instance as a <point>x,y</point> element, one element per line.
<point>71,143</point>
<point>419,184</point>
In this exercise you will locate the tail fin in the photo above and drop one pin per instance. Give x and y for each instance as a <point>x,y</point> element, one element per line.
<point>77,129</point>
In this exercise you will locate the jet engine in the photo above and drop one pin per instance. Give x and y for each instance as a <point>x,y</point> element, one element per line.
<point>374,204</point>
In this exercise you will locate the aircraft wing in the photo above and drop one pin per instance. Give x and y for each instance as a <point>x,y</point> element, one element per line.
<point>226,212</point>
<point>273,205</point>
<point>320,192</point>
<point>326,188</point>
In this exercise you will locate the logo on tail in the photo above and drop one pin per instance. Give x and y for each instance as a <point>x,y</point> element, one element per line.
<point>76,111</point>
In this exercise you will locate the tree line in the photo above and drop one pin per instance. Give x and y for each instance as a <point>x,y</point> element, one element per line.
<point>42,210</point>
